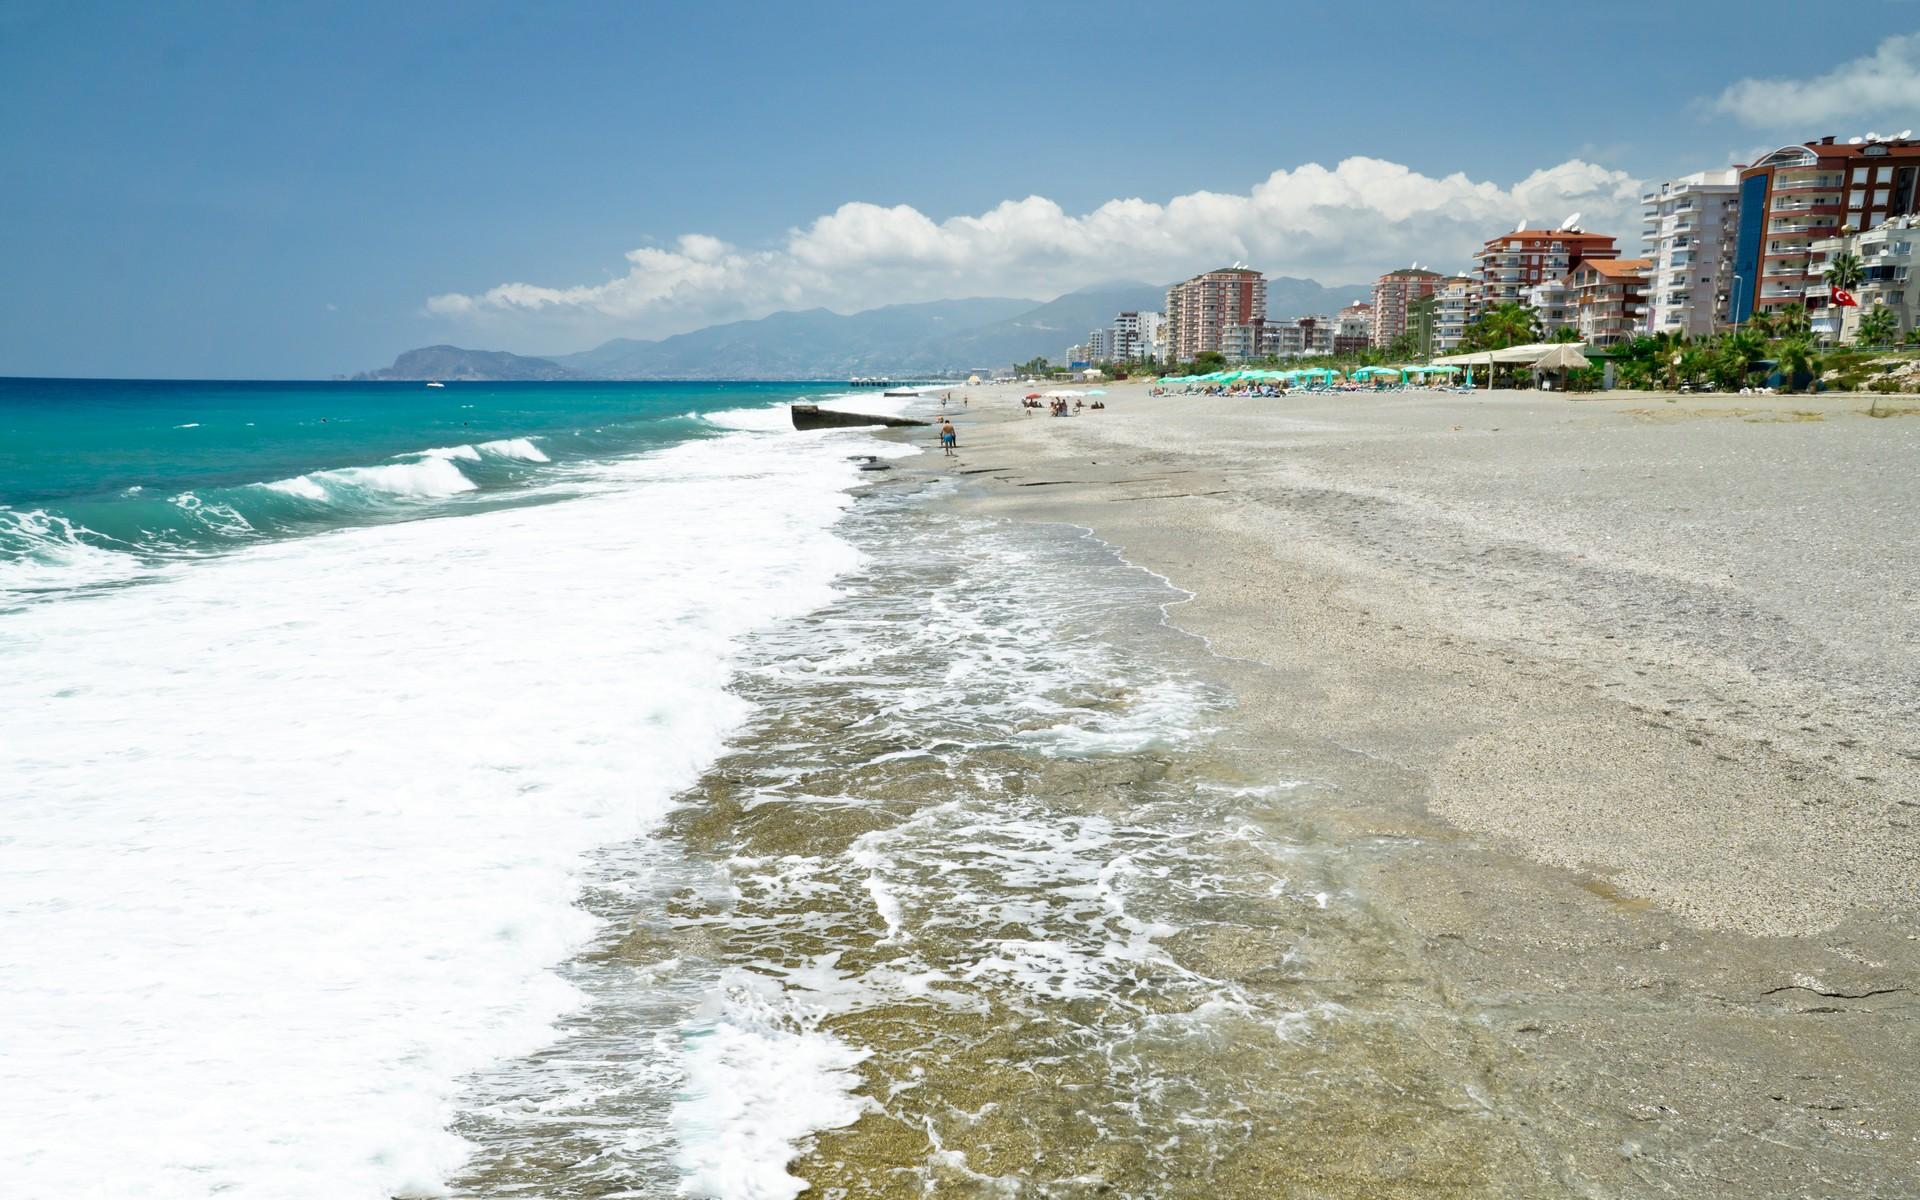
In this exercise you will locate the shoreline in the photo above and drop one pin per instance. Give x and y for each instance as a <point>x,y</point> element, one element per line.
<point>1630,765</point>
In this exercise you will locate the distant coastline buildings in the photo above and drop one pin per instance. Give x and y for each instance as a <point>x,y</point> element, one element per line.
<point>1718,247</point>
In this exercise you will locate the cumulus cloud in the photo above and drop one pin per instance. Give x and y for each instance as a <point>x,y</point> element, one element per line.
<point>1884,83</point>
<point>1344,224</point>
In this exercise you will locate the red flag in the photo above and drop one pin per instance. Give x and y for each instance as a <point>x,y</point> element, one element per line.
<point>1842,298</point>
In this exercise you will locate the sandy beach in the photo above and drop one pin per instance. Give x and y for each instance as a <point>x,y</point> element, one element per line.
<point>1626,690</point>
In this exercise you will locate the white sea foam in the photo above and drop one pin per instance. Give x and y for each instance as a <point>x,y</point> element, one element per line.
<point>46,552</point>
<point>448,453</point>
<point>428,478</point>
<point>302,486</point>
<point>293,833</point>
<point>760,1077</point>
<point>520,448</point>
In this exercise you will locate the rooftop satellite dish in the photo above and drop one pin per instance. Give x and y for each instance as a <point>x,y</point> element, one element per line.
<point>1571,223</point>
<point>1855,141</point>
<point>1521,227</point>
<point>1905,134</point>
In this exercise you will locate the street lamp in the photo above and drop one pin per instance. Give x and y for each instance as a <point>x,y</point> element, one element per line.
<point>1738,279</point>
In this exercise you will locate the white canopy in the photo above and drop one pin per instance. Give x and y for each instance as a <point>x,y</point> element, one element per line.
<point>1525,355</point>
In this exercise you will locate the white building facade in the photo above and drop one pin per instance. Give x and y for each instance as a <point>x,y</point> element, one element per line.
<point>1689,228</point>
<point>1887,264</point>
<point>1136,336</point>
<point>1452,313</point>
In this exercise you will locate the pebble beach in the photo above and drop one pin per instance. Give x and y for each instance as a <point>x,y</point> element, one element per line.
<point>1624,691</point>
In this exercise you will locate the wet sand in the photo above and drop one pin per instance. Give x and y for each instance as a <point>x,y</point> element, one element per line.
<point>1624,695</point>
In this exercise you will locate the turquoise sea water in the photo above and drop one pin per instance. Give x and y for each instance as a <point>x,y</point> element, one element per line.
<point>100,476</point>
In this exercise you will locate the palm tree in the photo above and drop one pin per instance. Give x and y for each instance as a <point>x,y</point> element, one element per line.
<point>1796,356</point>
<point>1738,352</point>
<point>1761,322</point>
<point>1504,325</point>
<point>1791,321</point>
<point>1566,333</point>
<point>1878,326</point>
<point>1843,273</point>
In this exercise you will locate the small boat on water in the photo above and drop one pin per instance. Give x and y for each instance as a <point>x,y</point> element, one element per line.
<point>812,416</point>
<point>435,383</point>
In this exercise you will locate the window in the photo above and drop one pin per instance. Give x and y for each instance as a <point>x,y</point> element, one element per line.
<point>1875,217</point>
<point>1860,174</point>
<point>1856,200</point>
<point>1882,174</point>
<point>1879,197</point>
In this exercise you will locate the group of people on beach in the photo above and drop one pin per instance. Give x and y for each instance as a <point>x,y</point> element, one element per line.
<point>1057,407</point>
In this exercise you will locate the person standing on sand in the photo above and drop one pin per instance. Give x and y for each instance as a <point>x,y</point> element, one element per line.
<point>949,440</point>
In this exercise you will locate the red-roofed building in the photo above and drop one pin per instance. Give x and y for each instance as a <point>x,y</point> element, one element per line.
<point>1508,265</point>
<point>1609,299</point>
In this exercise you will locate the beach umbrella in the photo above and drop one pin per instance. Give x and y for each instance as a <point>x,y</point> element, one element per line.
<point>1097,392</point>
<point>1565,357</point>
<point>1032,396</point>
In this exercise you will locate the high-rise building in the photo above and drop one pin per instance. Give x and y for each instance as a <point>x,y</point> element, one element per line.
<point>1609,299</point>
<point>1353,328</point>
<point>1799,194</point>
<point>1199,310</point>
<point>1513,262</point>
<point>1690,223</point>
<point>1392,293</point>
<point>1099,346</point>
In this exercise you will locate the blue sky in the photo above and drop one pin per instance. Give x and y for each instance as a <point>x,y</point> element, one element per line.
<point>273,190</point>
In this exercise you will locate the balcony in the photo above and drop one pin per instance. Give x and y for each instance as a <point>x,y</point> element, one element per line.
<point>1796,181</point>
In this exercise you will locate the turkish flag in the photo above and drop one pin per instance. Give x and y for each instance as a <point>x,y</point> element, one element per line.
<point>1842,298</point>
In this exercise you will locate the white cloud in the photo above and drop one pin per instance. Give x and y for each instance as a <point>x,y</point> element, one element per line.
<point>1341,225</point>
<point>1885,83</point>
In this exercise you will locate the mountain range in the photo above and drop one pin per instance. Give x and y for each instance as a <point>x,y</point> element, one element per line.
<point>936,337</point>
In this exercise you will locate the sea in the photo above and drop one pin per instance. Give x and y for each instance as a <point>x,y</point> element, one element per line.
<point>554,790</point>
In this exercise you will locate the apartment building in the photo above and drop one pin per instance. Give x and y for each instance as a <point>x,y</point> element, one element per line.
<point>1353,328</point>
<point>1689,233</point>
<point>1099,345</point>
<point>1452,313</point>
<point>1392,293</point>
<point>1552,303</point>
<point>1609,299</point>
<point>1201,309</point>
<point>1887,262</point>
<point>1135,336</point>
<point>1513,262</point>
<point>1798,195</point>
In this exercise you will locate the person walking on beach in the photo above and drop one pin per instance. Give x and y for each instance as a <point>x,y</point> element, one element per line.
<point>949,440</point>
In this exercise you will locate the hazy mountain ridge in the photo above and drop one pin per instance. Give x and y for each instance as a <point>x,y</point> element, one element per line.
<point>898,339</point>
